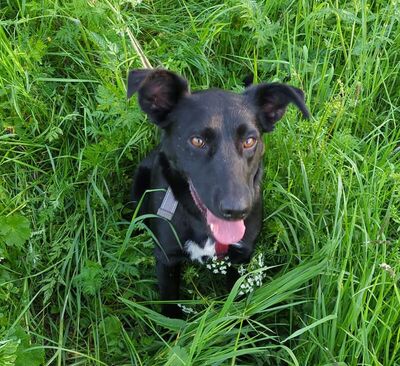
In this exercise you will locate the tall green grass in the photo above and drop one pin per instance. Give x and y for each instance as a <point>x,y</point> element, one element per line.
<point>77,289</point>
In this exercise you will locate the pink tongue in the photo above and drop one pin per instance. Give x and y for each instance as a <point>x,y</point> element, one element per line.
<point>225,232</point>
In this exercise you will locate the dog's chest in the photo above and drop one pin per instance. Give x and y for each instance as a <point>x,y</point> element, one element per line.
<point>200,253</point>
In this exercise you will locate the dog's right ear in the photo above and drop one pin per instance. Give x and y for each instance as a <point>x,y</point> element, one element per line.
<point>159,91</point>
<point>272,100</point>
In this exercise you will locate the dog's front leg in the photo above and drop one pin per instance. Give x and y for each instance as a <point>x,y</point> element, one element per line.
<point>238,254</point>
<point>232,275</point>
<point>168,282</point>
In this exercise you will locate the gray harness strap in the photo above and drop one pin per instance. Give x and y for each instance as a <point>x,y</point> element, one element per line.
<point>168,205</point>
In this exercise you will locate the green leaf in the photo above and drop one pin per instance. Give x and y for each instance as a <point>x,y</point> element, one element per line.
<point>311,326</point>
<point>90,278</point>
<point>25,354</point>
<point>110,330</point>
<point>178,356</point>
<point>14,230</point>
<point>8,351</point>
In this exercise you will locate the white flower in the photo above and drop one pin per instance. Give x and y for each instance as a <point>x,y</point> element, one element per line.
<point>386,267</point>
<point>187,310</point>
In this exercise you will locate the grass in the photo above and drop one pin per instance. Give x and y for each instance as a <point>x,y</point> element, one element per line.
<point>77,289</point>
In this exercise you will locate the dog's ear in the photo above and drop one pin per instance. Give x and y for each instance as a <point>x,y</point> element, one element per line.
<point>272,100</point>
<point>135,79</point>
<point>248,80</point>
<point>158,92</point>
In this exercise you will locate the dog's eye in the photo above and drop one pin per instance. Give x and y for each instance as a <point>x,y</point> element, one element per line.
<point>197,142</point>
<point>249,143</point>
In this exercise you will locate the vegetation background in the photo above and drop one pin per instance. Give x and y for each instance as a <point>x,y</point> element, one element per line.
<point>76,288</point>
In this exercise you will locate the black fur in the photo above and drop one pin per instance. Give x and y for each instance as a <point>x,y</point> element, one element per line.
<point>225,174</point>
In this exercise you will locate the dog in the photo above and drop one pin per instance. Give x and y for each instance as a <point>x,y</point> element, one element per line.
<point>205,174</point>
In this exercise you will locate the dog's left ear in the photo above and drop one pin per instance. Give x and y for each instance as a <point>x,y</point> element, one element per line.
<point>271,101</point>
<point>159,92</point>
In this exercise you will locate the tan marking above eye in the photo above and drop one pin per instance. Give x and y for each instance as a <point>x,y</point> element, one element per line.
<point>197,142</point>
<point>249,142</point>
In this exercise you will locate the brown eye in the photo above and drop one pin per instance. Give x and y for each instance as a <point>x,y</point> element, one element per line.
<point>249,143</point>
<point>197,142</point>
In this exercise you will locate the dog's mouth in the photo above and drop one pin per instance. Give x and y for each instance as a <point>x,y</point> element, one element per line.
<point>223,231</point>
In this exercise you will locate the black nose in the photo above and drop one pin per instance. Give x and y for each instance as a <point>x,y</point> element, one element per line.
<point>234,210</point>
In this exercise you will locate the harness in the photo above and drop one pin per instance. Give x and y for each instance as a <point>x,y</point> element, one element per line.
<point>168,205</point>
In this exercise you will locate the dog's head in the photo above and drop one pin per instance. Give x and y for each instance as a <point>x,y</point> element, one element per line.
<point>213,138</point>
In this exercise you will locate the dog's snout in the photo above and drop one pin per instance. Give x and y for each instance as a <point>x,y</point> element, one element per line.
<point>234,210</point>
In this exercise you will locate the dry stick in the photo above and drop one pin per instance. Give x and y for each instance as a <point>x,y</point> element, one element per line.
<point>145,62</point>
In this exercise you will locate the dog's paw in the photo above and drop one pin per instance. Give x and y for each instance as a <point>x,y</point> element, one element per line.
<point>172,311</point>
<point>240,253</point>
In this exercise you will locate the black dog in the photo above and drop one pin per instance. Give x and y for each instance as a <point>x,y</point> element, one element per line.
<point>210,162</point>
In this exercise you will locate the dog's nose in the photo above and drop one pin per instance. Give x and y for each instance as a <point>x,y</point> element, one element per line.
<point>236,210</point>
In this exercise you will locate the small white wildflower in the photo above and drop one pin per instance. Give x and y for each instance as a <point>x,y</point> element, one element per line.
<point>216,265</point>
<point>252,280</point>
<point>187,310</point>
<point>386,267</point>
